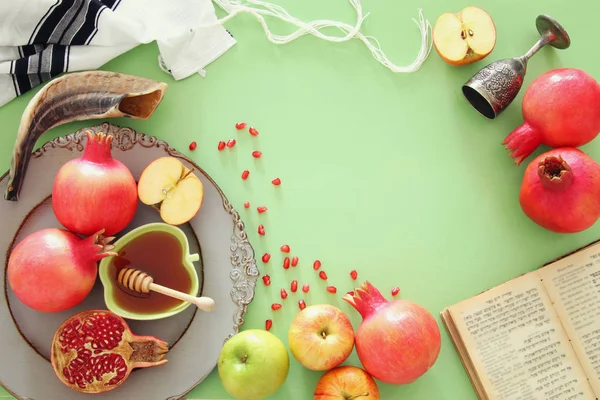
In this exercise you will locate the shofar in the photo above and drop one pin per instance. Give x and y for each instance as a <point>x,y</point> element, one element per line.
<point>76,97</point>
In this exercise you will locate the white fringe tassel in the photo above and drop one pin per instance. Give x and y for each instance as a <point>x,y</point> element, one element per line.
<point>234,7</point>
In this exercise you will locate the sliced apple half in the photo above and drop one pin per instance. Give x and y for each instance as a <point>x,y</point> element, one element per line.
<point>466,37</point>
<point>171,188</point>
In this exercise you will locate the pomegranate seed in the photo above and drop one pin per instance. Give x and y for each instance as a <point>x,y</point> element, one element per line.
<point>240,125</point>
<point>353,274</point>
<point>245,174</point>
<point>231,143</point>
<point>284,294</point>
<point>253,131</point>
<point>268,324</point>
<point>256,154</point>
<point>266,257</point>
<point>247,204</point>
<point>221,145</point>
<point>294,286</point>
<point>276,306</point>
<point>267,280</point>
<point>276,181</point>
<point>285,248</point>
<point>192,145</point>
<point>395,291</point>
<point>301,304</point>
<point>261,209</point>
<point>286,263</point>
<point>331,289</point>
<point>305,288</point>
<point>316,265</point>
<point>261,230</point>
<point>351,293</point>
<point>323,275</point>
<point>294,261</point>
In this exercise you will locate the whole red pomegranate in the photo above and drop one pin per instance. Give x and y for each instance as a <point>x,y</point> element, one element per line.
<point>95,351</point>
<point>95,191</point>
<point>561,190</point>
<point>53,269</point>
<point>561,108</point>
<point>397,341</point>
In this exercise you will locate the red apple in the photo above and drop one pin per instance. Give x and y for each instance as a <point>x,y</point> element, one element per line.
<point>321,337</point>
<point>346,383</point>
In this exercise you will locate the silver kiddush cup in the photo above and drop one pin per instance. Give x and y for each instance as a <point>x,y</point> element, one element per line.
<point>495,86</point>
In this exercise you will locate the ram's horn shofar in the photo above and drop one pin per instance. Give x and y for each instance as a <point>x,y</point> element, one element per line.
<point>76,97</point>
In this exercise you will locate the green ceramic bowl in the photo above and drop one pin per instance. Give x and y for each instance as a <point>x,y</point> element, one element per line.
<point>107,271</point>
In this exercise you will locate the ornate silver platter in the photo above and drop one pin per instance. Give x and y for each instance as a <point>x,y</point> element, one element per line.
<point>227,271</point>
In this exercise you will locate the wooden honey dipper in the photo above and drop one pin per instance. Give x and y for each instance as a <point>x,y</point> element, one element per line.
<point>141,282</point>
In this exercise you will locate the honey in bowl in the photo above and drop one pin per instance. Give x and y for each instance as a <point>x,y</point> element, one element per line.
<point>159,254</point>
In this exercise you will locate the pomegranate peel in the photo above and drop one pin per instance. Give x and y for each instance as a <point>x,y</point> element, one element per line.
<point>95,191</point>
<point>560,190</point>
<point>560,109</point>
<point>53,270</point>
<point>95,351</point>
<point>398,340</point>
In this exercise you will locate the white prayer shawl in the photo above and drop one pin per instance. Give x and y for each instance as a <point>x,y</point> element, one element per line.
<point>40,39</point>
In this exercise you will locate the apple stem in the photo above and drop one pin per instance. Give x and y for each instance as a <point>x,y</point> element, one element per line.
<point>187,174</point>
<point>358,395</point>
<point>245,358</point>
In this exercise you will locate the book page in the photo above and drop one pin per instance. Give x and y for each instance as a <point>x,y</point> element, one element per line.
<point>573,284</point>
<point>517,345</point>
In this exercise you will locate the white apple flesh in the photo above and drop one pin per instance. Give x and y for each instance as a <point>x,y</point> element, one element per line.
<point>466,37</point>
<point>253,365</point>
<point>321,337</point>
<point>172,189</point>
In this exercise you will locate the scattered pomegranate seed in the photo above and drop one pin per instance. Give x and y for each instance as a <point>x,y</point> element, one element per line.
<point>192,145</point>
<point>276,181</point>
<point>231,143</point>
<point>351,293</point>
<point>256,154</point>
<point>323,275</point>
<point>247,204</point>
<point>395,291</point>
<point>305,288</point>
<point>286,263</point>
<point>253,131</point>
<point>267,280</point>
<point>301,304</point>
<point>331,289</point>
<point>353,274</point>
<point>268,324</point>
<point>221,145</point>
<point>294,286</point>
<point>294,261</point>
<point>266,257</point>
<point>285,248</point>
<point>240,125</point>
<point>276,306</point>
<point>261,230</point>
<point>245,174</point>
<point>316,265</point>
<point>284,294</point>
<point>261,209</point>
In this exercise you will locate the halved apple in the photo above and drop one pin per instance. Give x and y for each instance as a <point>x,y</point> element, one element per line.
<point>171,188</point>
<point>466,37</point>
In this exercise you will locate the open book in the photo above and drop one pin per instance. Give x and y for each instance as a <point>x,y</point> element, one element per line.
<point>536,336</point>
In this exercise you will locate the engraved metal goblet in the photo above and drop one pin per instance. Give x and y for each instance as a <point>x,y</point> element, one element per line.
<point>495,86</point>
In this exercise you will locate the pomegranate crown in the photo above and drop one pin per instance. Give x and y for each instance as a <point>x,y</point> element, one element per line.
<point>98,147</point>
<point>366,299</point>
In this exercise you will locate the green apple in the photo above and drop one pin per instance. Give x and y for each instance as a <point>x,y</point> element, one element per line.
<point>253,364</point>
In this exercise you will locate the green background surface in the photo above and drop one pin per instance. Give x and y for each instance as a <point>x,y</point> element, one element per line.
<point>393,175</point>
